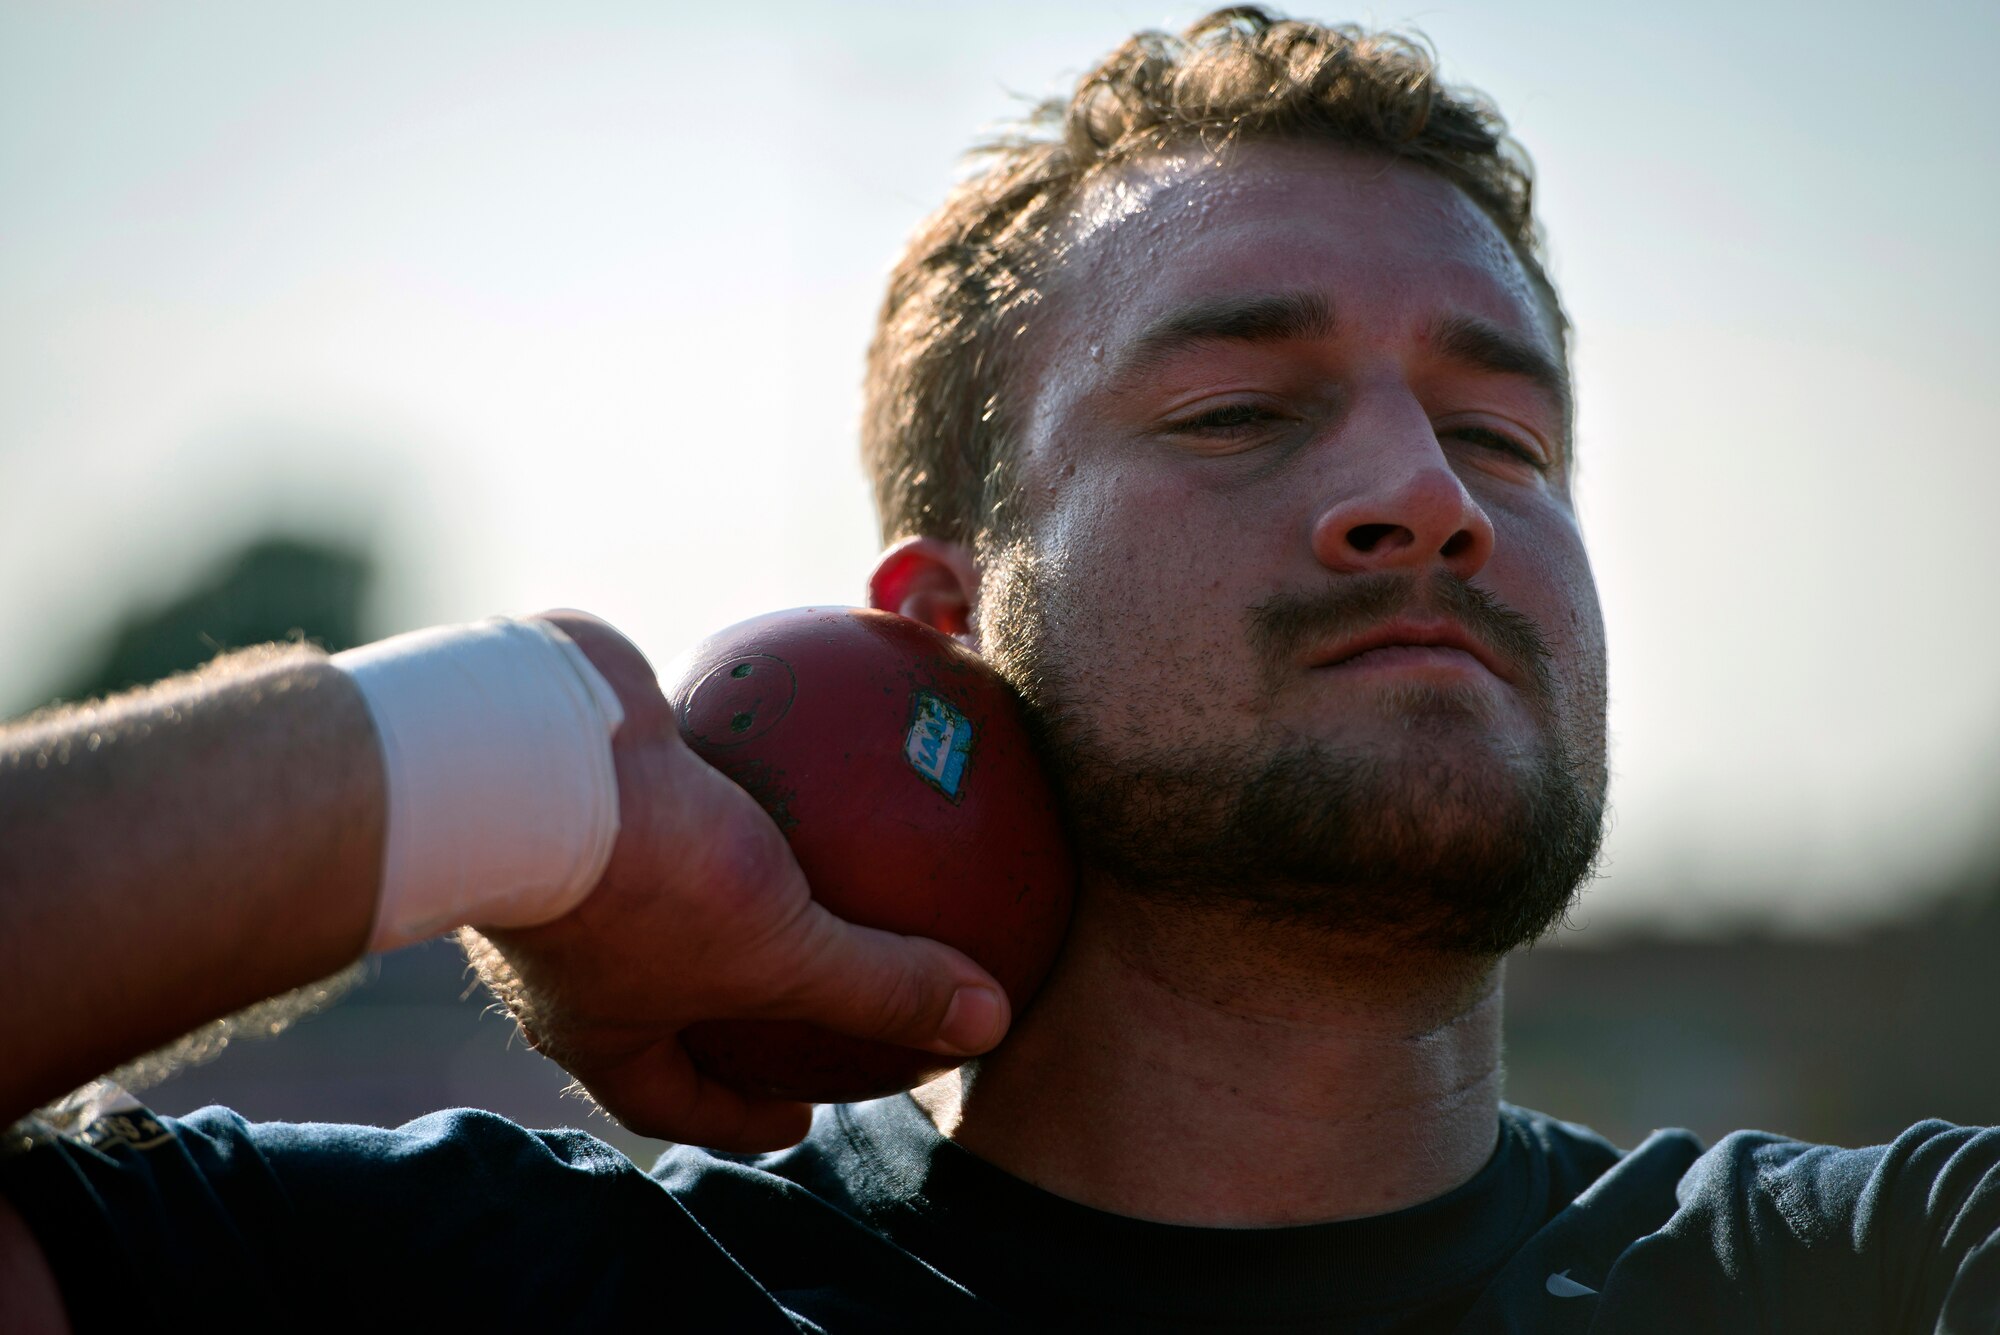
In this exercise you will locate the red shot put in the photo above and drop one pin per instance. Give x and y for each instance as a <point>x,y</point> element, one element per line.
<point>898,765</point>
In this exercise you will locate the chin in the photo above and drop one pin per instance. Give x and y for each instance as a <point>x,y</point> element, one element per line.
<point>1426,842</point>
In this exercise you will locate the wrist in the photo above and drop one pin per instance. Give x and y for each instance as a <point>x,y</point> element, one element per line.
<point>502,795</point>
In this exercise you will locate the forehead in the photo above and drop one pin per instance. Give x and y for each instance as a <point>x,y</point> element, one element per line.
<point>1390,245</point>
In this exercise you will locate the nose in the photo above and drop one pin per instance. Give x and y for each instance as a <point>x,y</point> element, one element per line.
<point>1396,503</point>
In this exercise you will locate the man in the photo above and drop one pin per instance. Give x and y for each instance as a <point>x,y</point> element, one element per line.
<point>1230,418</point>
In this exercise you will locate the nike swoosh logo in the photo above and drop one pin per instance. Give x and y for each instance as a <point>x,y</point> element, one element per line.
<point>1562,1286</point>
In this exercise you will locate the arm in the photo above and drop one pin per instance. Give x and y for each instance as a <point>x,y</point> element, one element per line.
<point>175,855</point>
<point>167,858</point>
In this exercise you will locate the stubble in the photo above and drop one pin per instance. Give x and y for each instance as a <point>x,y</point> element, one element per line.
<point>1446,840</point>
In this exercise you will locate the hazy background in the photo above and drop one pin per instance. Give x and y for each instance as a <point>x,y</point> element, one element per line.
<point>359,317</point>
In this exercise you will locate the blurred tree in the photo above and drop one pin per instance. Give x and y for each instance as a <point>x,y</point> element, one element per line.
<point>276,587</point>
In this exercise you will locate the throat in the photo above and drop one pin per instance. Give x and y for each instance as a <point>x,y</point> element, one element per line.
<point>1187,1070</point>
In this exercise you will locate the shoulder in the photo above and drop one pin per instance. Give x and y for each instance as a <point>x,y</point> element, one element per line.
<point>834,1227</point>
<point>1758,1232</point>
<point>461,1141</point>
<point>1887,1233</point>
<point>319,1163</point>
<point>1579,1153</point>
<point>175,1205</point>
<point>804,1195</point>
<point>1934,1173</point>
<point>123,1174</point>
<point>1935,1185</point>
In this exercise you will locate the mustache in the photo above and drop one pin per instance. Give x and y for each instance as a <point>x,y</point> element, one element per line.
<point>1286,625</point>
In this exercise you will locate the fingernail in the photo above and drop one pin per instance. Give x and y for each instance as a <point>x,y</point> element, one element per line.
<point>974,1021</point>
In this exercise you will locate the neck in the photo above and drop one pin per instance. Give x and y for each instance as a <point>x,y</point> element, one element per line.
<point>1194,1067</point>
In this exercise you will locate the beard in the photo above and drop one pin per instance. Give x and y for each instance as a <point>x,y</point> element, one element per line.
<point>1445,840</point>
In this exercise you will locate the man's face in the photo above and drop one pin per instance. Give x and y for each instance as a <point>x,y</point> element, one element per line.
<point>1296,590</point>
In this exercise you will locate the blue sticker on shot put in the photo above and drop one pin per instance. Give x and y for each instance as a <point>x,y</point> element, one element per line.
<point>939,742</point>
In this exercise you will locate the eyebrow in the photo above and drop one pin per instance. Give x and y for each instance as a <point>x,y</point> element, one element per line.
<point>1464,339</point>
<point>1307,315</point>
<point>1265,319</point>
<point>1486,347</point>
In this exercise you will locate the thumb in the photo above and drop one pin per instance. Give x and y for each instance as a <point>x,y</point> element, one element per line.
<point>896,989</point>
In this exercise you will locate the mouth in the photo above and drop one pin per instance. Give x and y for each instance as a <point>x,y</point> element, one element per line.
<point>1412,646</point>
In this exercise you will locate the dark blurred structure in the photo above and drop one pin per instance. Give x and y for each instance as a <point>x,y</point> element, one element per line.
<point>1841,1041</point>
<point>276,587</point>
<point>419,1034</point>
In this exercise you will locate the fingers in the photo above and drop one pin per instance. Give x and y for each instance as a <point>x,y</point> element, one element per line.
<point>659,1093</point>
<point>896,989</point>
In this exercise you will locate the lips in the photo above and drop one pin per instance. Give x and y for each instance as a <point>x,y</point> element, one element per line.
<point>1424,637</point>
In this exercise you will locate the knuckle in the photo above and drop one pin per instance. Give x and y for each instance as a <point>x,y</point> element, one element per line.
<point>902,1001</point>
<point>745,860</point>
<point>721,871</point>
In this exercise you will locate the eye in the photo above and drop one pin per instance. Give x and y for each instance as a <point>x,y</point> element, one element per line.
<point>1500,441</point>
<point>1230,419</point>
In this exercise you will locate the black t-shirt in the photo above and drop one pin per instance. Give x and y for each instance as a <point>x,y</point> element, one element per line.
<point>876,1223</point>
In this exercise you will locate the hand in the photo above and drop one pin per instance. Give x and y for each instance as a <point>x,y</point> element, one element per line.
<point>703,914</point>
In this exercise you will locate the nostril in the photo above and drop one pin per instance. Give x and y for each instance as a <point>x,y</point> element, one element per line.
<point>1367,537</point>
<point>1456,544</point>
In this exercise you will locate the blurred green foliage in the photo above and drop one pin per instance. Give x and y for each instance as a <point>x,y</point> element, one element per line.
<point>275,587</point>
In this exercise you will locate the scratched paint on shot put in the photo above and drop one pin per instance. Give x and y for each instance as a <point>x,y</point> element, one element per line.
<point>939,742</point>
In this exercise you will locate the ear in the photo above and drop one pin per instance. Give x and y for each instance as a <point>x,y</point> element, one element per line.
<point>932,581</point>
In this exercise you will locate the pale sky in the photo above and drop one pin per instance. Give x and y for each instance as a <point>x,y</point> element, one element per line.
<point>566,304</point>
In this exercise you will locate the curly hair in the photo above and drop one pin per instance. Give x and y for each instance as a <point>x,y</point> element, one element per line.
<point>935,420</point>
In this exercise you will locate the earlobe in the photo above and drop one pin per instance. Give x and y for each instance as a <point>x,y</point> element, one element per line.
<point>929,580</point>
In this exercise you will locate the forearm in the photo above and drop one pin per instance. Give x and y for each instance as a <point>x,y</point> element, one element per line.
<point>176,854</point>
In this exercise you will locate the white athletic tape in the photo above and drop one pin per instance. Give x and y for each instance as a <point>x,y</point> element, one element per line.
<point>503,802</point>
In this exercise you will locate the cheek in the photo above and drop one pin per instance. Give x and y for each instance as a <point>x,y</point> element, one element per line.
<point>1545,575</point>
<point>1145,547</point>
<point>1577,617</point>
<point>1157,589</point>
